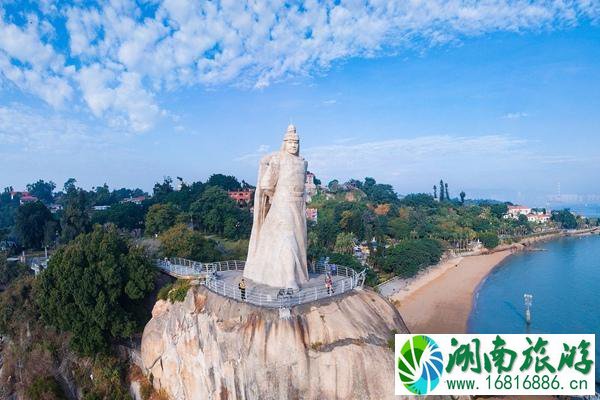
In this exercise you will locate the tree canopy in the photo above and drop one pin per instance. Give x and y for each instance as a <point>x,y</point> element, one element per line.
<point>76,215</point>
<point>124,215</point>
<point>42,190</point>
<point>215,212</point>
<point>565,218</point>
<point>93,288</point>
<point>33,224</point>
<point>161,217</point>
<point>225,182</point>
<point>181,241</point>
<point>409,256</point>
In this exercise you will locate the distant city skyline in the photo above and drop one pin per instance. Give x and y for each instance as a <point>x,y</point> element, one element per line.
<point>498,99</point>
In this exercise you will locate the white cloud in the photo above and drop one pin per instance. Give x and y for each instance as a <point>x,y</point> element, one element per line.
<point>515,115</point>
<point>414,160</point>
<point>29,131</point>
<point>120,57</point>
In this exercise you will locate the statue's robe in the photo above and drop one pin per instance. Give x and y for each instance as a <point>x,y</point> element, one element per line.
<point>278,242</point>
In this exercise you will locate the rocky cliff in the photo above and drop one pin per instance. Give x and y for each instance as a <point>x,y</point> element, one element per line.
<point>211,347</point>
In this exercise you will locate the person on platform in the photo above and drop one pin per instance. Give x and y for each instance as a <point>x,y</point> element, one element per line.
<point>242,287</point>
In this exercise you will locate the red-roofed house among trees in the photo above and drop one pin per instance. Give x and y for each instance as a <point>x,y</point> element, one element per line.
<point>242,197</point>
<point>24,197</point>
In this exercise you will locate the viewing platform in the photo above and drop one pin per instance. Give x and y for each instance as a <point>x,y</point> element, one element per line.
<point>223,278</point>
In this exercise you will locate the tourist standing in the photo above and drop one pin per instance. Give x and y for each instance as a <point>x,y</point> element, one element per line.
<point>329,284</point>
<point>242,287</point>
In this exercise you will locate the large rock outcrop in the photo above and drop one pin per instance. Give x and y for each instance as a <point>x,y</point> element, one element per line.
<point>211,347</point>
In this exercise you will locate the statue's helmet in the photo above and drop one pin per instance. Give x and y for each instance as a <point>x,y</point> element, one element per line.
<point>290,134</point>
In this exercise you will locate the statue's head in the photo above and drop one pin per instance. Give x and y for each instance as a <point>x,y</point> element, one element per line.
<point>291,141</point>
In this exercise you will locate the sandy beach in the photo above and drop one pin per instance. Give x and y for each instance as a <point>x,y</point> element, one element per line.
<point>440,300</point>
<point>442,303</point>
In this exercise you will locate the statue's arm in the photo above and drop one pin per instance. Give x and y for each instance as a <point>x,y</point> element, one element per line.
<point>268,181</point>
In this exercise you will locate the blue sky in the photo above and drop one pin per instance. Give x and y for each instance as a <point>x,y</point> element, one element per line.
<point>499,98</point>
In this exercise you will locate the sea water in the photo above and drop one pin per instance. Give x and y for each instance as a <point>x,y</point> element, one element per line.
<point>564,279</point>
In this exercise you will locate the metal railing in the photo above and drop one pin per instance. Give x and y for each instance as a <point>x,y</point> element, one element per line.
<point>350,280</point>
<point>181,267</point>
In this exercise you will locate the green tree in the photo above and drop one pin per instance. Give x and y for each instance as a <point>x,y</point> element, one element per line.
<point>489,240</point>
<point>30,224</point>
<point>334,185</point>
<point>379,193</point>
<point>344,243</point>
<point>410,256</point>
<point>160,217</point>
<point>69,185</point>
<point>163,189</point>
<point>8,209</point>
<point>42,190</point>
<point>225,182</point>
<point>498,209</point>
<point>94,288</point>
<point>76,215</point>
<point>181,241</point>
<point>462,197</point>
<point>565,218</point>
<point>442,196</point>
<point>419,200</point>
<point>217,213</point>
<point>399,228</point>
<point>102,196</point>
<point>128,216</point>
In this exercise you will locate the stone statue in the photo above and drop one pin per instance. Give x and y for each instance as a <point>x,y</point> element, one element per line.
<point>277,249</point>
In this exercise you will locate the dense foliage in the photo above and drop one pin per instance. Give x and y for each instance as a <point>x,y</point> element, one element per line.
<point>45,388</point>
<point>410,256</point>
<point>489,240</point>
<point>11,271</point>
<point>76,215</point>
<point>17,305</point>
<point>181,241</point>
<point>127,216</point>
<point>161,217</point>
<point>174,291</point>
<point>42,190</point>
<point>215,212</point>
<point>565,218</point>
<point>34,225</point>
<point>93,287</point>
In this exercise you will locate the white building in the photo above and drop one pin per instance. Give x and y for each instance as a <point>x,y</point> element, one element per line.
<point>514,211</point>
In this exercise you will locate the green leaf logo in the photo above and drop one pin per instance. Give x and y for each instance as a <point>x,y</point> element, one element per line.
<point>420,364</point>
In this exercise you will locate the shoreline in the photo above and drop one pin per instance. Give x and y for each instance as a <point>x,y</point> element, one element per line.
<point>441,299</point>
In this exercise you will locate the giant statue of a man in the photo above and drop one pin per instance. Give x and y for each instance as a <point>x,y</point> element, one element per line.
<point>277,249</point>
